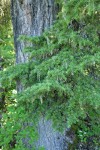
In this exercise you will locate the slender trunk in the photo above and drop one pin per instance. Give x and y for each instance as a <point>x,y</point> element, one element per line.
<point>32,17</point>
<point>2,97</point>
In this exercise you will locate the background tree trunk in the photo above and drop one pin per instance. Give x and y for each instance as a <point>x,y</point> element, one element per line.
<point>2,96</point>
<point>32,17</point>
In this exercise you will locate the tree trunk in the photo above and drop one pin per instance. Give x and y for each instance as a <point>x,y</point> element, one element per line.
<point>2,97</point>
<point>32,17</point>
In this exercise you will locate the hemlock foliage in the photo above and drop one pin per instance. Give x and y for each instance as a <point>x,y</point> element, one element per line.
<point>61,80</point>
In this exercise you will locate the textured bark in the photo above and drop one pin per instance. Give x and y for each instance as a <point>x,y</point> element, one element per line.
<point>32,17</point>
<point>51,139</point>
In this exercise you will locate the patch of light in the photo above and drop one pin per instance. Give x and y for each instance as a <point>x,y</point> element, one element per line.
<point>14,91</point>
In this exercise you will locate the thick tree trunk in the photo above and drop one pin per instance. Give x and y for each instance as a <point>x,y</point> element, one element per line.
<point>32,17</point>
